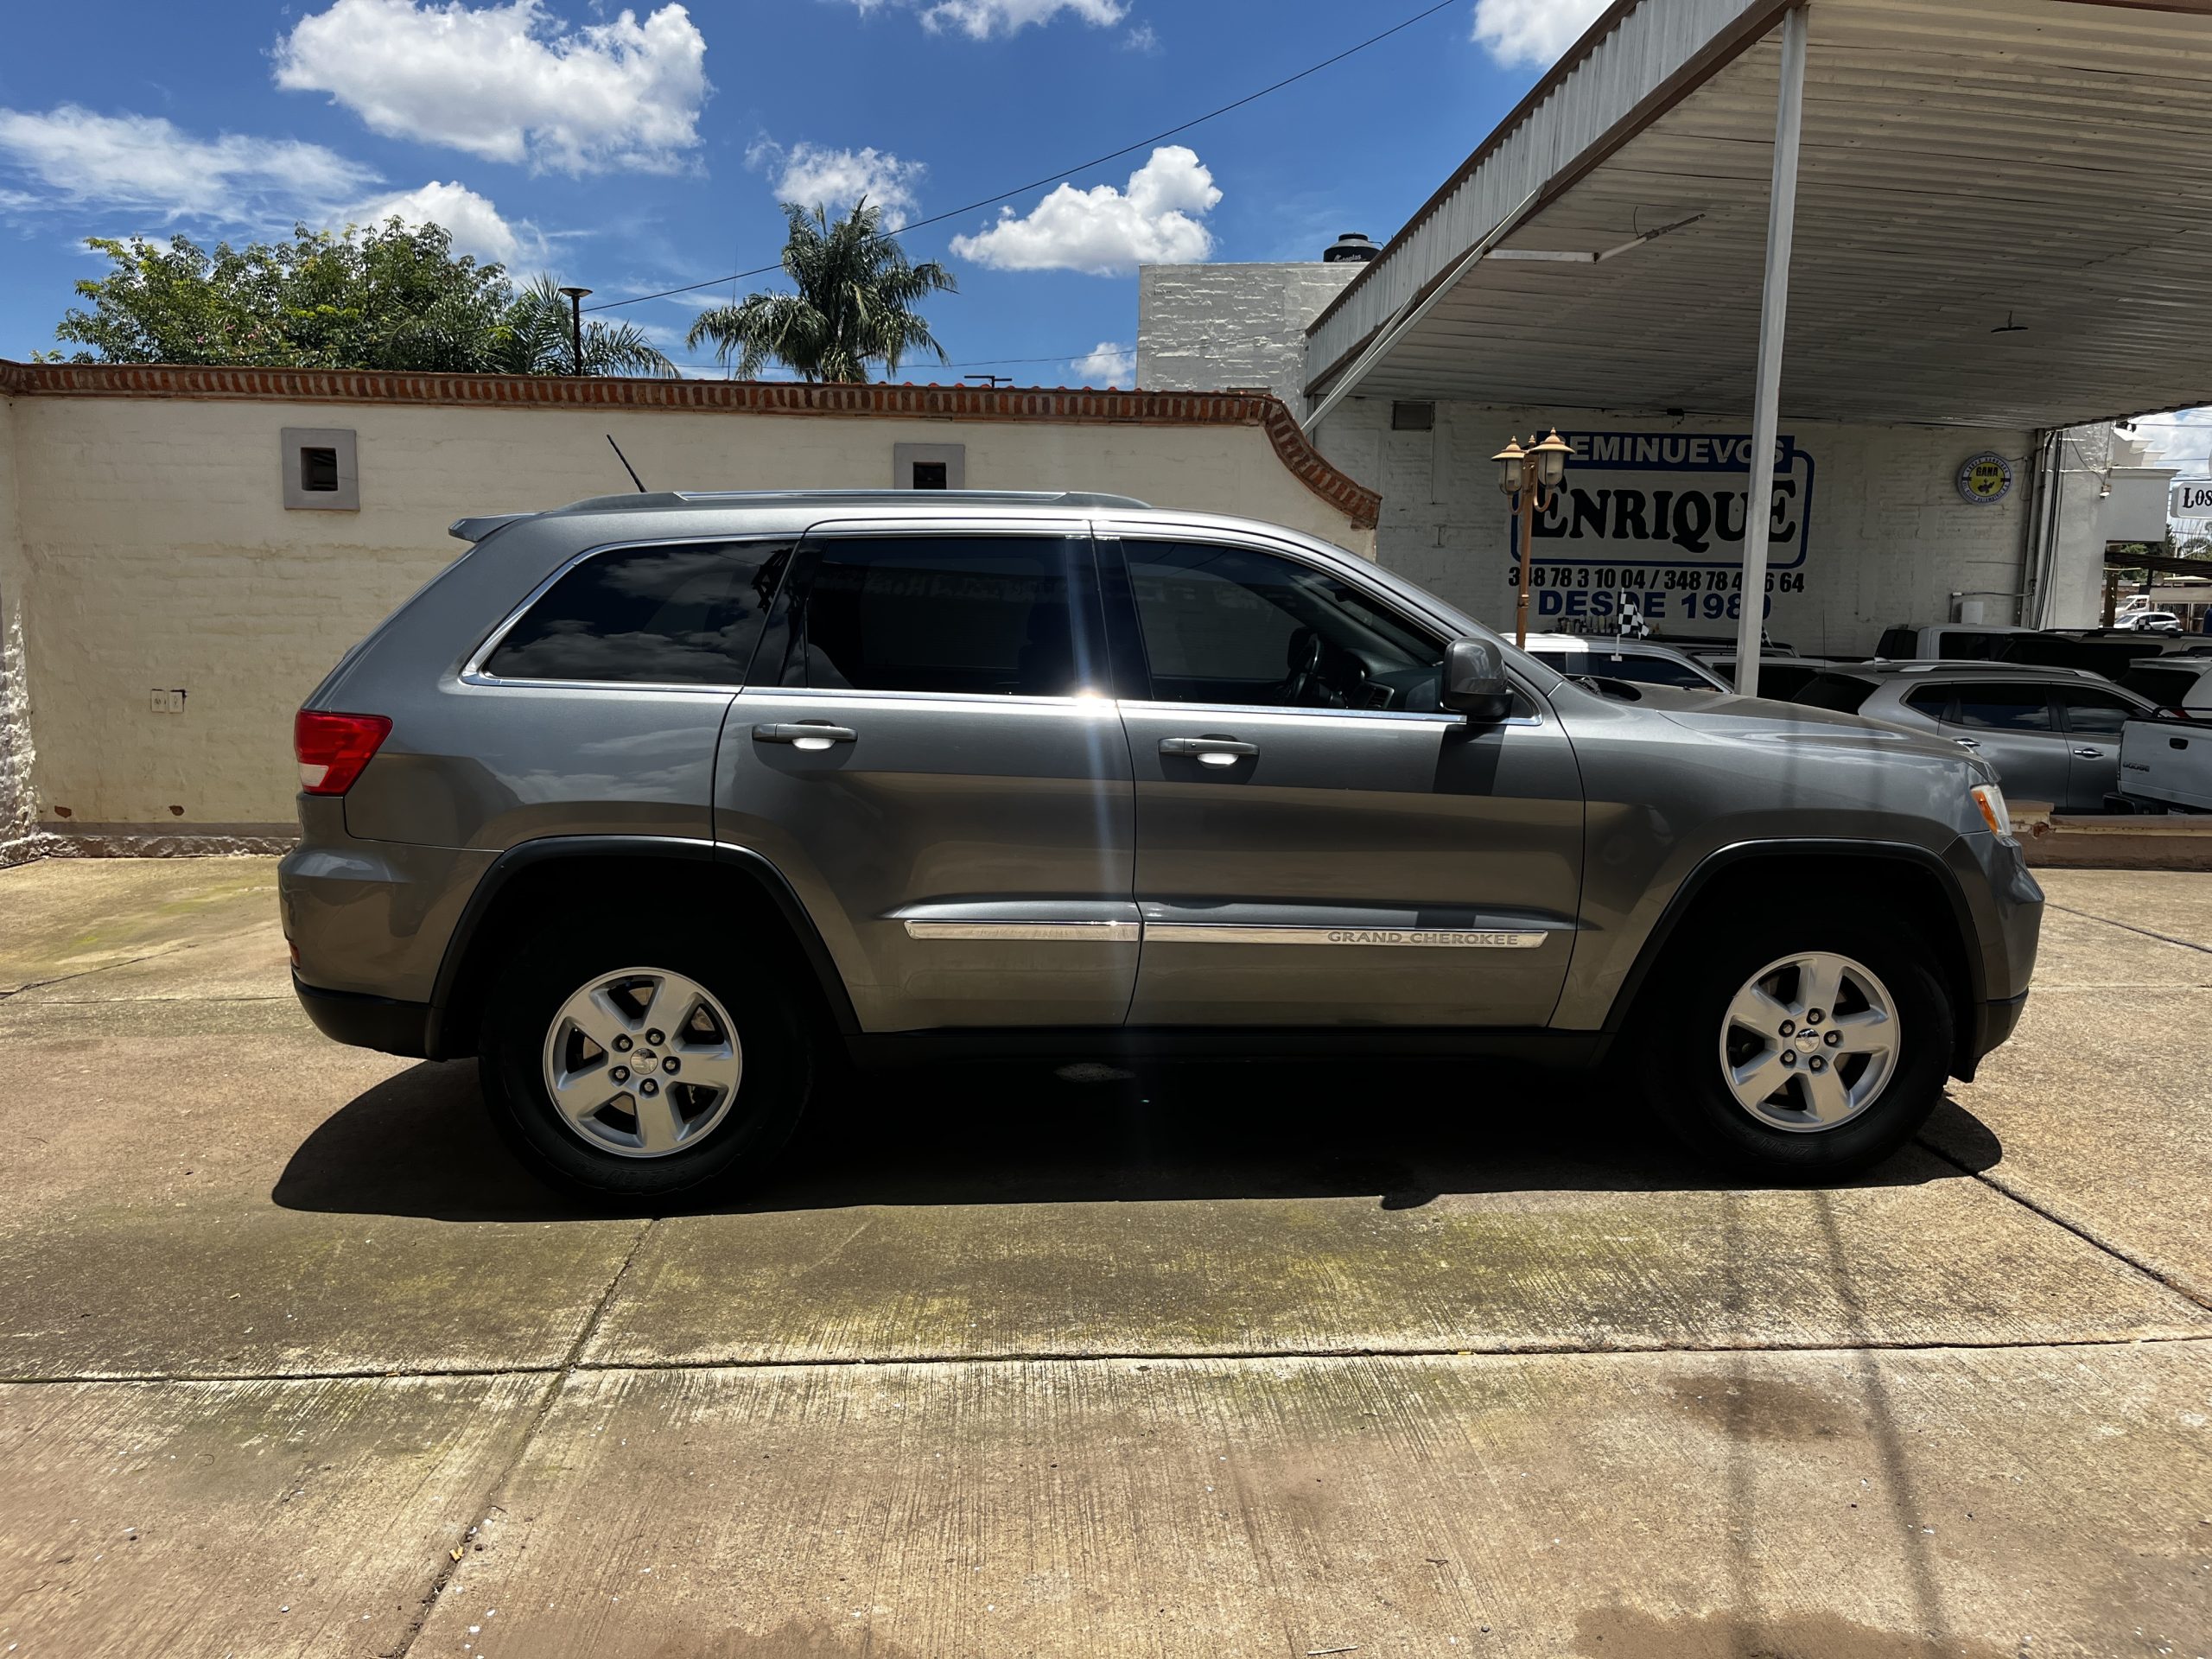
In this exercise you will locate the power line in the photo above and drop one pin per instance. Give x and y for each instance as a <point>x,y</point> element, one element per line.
<point>1080,167</point>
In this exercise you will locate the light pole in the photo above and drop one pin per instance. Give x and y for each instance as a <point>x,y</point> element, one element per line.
<point>1525,475</point>
<point>576,323</point>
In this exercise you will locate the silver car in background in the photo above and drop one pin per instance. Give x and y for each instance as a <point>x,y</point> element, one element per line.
<point>1635,662</point>
<point>2053,733</point>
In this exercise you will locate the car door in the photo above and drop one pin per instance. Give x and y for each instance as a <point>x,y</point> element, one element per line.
<point>934,766</point>
<point>2012,724</point>
<point>1318,843</point>
<point>2091,717</point>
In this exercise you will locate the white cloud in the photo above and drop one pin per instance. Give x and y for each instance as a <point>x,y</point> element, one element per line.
<point>1106,232</point>
<point>146,162</point>
<point>981,19</point>
<point>1532,31</point>
<point>509,82</point>
<point>2182,438</point>
<point>477,226</point>
<point>1108,365</point>
<point>817,177</point>
<point>1142,38</point>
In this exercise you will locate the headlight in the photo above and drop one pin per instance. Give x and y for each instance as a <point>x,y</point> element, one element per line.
<point>1991,800</point>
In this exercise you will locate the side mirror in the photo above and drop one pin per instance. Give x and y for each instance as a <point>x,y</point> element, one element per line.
<point>1475,683</point>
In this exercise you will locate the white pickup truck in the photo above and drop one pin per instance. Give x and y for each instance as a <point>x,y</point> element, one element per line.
<point>2167,761</point>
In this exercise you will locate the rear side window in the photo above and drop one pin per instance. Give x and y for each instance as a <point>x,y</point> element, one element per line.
<point>681,613</point>
<point>2093,713</point>
<point>978,614</point>
<point>1996,707</point>
<point>1933,701</point>
<point>1839,692</point>
<point>2170,688</point>
<point>1899,644</point>
<point>1968,646</point>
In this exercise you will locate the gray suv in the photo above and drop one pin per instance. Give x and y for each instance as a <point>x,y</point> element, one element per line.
<point>659,803</point>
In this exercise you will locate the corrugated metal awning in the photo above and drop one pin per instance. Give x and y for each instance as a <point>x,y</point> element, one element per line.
<point>1966,164</point>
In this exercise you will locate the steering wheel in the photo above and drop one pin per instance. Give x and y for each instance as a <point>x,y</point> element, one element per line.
<point>1305,661</point>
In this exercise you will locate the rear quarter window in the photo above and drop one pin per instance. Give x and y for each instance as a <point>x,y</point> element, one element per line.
<point>679,613</point>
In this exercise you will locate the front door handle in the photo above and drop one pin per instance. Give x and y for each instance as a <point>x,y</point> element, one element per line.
<point>805,734</point>
<point>1210,751</point>
<point>2090,754</point>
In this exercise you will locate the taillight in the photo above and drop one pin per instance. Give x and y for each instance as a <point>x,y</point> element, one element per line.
<point>333,748</point>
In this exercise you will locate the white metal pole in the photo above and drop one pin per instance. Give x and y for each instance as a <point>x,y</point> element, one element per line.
<point>1774,307</point>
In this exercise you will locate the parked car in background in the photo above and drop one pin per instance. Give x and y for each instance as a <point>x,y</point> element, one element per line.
<point>2053,733</point>
<point>2149,622</point>
<point>1782,678</point>
<point>2180,684</point>
<point>1942,642</point>
<point>1637,661</point>
<point>655,803</point>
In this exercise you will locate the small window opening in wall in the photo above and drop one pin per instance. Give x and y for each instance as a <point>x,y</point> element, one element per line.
<point>1412,417</point>
<point>929,475</point>
<point>319,470</point>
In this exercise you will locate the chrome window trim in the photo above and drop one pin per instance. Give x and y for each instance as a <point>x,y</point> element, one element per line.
<point>1153,706</point>
<point>472,669</point>
<point>1099,700</point>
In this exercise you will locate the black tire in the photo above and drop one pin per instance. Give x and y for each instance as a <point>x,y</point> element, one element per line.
<point>771,1024</point>
<point>1679,1040</point>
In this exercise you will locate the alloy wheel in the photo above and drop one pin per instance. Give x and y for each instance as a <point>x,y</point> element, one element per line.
<point>642,1062</point>
<point>1809,1042</point>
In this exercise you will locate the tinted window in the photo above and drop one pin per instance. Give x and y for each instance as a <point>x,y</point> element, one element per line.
<point>969,614</point>
<point>1838,691</point>
<point>685,613</point>
<point>1228,625</point>
<point>2094,712</point>
<point>1628,665</point>
<point>1976,647</point>
<point>1995,707</point>
<point>1898,644</point>
<point>1783,681</point>
<point>1933,701</point>
<point>2170,688</point>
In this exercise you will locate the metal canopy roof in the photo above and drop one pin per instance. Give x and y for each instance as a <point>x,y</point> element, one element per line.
<point>1966,163</point>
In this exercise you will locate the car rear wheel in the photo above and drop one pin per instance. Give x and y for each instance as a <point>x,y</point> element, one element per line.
<point>1811,1048</point>
<point>642,1069</point>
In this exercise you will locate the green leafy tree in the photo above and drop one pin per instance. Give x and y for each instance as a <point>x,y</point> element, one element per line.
<point>384,296</point>
<point>854,307</point>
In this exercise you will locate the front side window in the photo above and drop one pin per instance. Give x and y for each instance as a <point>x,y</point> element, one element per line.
<point>977,614</point>
<point>683,614</point>
<point>1234,626</point>
<point>1998,707</point>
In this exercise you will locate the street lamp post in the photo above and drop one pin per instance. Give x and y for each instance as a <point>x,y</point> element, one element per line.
<point>576,323</point>
<point>1524,475</point>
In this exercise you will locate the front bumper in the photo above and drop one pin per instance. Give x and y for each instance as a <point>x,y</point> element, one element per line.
<point>363,1022</point>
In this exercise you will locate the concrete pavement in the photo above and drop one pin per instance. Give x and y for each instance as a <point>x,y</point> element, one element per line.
<point>1232,1359</point>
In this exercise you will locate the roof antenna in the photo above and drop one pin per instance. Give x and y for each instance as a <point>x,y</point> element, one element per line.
<point>626,467</point>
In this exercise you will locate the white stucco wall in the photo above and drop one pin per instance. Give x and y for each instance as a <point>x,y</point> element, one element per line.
<point>1890,540</point>
<point>18,805</point>
<point>155,553</point>
<point>1208,327</point>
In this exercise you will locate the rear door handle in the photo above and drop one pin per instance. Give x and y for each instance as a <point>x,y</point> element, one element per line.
<point>805,734</point>
<point>2090,754</point>
<point>1210,751</point>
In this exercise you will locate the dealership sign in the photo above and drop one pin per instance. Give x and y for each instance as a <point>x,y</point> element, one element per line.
<point>1659,517</point>
<point>2191,498</point>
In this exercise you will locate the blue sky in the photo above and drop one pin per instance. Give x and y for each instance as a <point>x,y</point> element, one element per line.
<point>638,149</point>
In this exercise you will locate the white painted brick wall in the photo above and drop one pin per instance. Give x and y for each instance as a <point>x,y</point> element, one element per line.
<point>1209,327</point>
<point>153,551</point>
<point>1891,540</point>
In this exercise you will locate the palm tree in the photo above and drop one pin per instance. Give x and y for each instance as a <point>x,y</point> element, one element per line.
<point>855,304</point>
<point>532,337</point>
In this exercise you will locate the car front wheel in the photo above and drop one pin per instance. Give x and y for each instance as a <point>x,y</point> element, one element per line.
<point>1810,1050</point>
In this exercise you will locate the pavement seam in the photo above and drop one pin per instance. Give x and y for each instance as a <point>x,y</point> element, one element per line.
<point>547,1397</point>
<point>2091,916</point>
<point>1255,1357</point>
<point>2036,1208</point>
